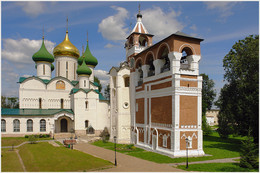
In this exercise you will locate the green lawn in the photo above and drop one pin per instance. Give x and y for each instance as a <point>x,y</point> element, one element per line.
<point>213,145</point>
<point>122,148</point>
<point>10,161</point>
<point>9,141</point>
<point>216,167</point>
<point>44,157</point>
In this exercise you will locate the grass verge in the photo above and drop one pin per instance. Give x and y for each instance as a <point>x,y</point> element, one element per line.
<point>9,141</point>
<point>10,161</point>
<point>43,157</point>
<point>216,167</point>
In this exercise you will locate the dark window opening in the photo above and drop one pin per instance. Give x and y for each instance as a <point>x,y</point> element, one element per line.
<point>86,124</point>
<point>61,103</point>
<point>40,103</point>
<point>127,81</point>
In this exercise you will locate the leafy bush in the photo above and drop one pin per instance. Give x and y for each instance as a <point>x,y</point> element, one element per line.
<point>26,136</point>
<point>32,139</point>
<point>105,135</point>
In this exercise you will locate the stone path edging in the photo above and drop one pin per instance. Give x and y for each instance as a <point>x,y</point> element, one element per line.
<point>21,161</point>
<point>226,160</point>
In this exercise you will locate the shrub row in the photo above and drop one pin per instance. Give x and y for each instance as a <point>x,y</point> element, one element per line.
<point>38,136</point>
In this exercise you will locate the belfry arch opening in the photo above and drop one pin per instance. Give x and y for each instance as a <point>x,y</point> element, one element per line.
<point>149,61</point>
<point>163,55</point>
<point>140,72</point>
<point>186,52</point>
<point>143,41</point>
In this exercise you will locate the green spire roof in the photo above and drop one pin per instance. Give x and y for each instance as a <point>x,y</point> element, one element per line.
<point>43,54</point>
<point>80,59</point>
<point>90,59</point>
<point>52,67</point>
<point>84,69</point>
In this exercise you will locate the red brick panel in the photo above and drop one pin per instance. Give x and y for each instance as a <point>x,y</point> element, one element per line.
<point>188,76</point>
<point>161,85</point>
<point>188,110</point>
<point>188,83</point>
<point>161,110</point>
<point>194,140</point>
<point>140,113</point>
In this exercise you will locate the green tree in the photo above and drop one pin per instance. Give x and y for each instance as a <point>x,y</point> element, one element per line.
<point>13,102</point>
<point>239,98</point>
<point>98,82</point>
<point>3,102</point>
<point>208,96</point>
<point>249,154</point>
<point>107,92</point>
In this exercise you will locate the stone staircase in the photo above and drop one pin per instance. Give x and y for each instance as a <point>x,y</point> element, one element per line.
<point>63,135</point>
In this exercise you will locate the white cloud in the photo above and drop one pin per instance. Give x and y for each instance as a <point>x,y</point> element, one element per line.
<point>193,27</point>
<point>113,27</point>
<point>32,8</point>
<point>224,7</point>
<point>160,23</point>
<point>103,76</point>
<point>21,51</point>
<point>109,45</point>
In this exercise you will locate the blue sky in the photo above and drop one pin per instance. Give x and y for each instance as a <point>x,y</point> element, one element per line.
<point>108,23</point>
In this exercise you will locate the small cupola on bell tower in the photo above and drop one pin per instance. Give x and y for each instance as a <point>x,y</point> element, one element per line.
<point>139,39</point>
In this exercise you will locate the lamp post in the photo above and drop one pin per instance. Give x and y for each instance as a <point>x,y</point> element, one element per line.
<point>187,145</point>
<point>115,150</point>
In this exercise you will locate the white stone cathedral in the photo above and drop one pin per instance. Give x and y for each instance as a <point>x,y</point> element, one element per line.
<point>68,103</point>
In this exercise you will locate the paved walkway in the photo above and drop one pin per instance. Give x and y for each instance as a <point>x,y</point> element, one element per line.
<point>125,163</point>
<point>21,161</point>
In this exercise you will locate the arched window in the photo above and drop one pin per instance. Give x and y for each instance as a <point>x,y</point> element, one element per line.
<point>29,125</point>
<point>58,69</point>
<point>40,103</point>
<point>43,69</point>
<point>42,125</point>
<point>163,54</point>
<point>60,85</point>
<point>16,125</point>
<point>3,125</point>
<point>86,124</point>
<point>61,103</point>
<point>86,104</point>
<point>127,81</point>
<point>67,69</point>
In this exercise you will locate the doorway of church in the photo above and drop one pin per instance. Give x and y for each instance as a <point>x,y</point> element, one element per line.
<point>64,125</point>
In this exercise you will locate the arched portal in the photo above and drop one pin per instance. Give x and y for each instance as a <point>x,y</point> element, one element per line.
<point>64,125</point>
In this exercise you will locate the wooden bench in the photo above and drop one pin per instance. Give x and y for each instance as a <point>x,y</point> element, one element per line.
<point>70,142</point>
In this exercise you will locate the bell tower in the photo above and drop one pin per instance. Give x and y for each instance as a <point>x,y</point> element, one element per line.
<point>138,40</point>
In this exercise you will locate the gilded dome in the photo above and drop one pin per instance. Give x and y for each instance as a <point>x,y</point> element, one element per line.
<point>66,48</point>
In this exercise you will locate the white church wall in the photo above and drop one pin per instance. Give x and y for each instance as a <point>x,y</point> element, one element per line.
<point>23,125</point>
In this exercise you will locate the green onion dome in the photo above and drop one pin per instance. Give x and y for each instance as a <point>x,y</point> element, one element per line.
<point>52,67</point>
<point>43,54</point>
<point>80,60</point>
<point>84,69</point>
<point>90,59</point>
